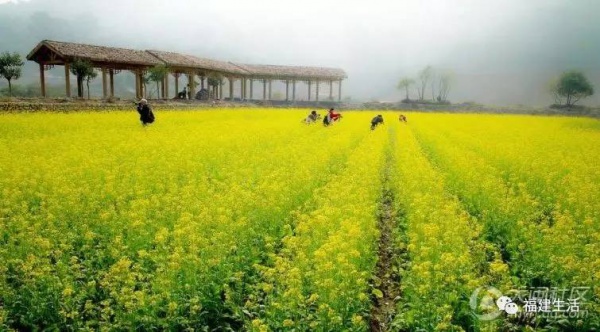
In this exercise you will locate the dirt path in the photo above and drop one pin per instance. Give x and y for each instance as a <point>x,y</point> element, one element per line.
<point>386,282</point>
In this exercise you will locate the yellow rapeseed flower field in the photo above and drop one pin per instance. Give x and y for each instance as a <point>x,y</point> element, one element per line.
<point>248,219</point>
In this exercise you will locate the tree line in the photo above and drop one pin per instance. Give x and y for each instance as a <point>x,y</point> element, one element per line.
<point>439,83</point>
<point>567,89</point>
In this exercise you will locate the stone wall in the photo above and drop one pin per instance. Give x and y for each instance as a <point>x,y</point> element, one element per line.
<point>69,106</point>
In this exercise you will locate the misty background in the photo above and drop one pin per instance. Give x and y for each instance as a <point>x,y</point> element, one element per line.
<point>502,52</point>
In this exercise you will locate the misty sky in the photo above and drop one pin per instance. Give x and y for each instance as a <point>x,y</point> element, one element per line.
<point>502,52</point>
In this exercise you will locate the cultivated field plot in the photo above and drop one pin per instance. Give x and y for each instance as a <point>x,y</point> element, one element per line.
<point>251,220</point>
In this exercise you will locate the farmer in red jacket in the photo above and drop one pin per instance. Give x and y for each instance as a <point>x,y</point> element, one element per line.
<point>331,117</point>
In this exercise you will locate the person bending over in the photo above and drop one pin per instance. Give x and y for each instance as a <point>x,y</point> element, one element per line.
<point>146,115</point>
<point>376,121</point>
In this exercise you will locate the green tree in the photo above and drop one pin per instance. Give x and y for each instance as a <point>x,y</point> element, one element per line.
<point>84,71</point>
<point>215,81</point>
<point>145,81</point>
<point>573,86</point>
<point>10,68</point>
<point>88,77</point>
<point>157,74</point>
<point>405,84</point>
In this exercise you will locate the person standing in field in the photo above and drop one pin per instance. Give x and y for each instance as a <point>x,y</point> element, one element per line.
<point>376,121</point>
<point>146,115</point>
<point>402,118</point>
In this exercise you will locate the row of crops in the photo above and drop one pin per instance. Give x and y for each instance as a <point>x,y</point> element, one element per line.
<point>250,220</point>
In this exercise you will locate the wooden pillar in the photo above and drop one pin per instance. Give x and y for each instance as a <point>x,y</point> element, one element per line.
<point>143,89</point>
<point>230,88</point>
<point>166,86</point>
<point>251,89</point>
<point>43,80</point>
<point>242,88</point>
<point>317,96</point>
<point>136,73</point>
<point>192,84</point>
<point>294,90</point>
<point>330,90</point>
<point>309,89</point>
<point>176,84</point>
<point>340,91</point>
<point>270,89</point>
<point>287,90</point>
<point>264,89</point>
<point>104,84</point>
<point>67,80</point>
<point>111,75</point>
<point>202,82</point>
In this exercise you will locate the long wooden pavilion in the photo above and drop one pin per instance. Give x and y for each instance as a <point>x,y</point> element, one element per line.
<point>111,60</point>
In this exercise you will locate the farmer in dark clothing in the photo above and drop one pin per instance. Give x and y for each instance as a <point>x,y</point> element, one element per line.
<point>182,94</point>
<point>376,121</point>
<point>146,115</point>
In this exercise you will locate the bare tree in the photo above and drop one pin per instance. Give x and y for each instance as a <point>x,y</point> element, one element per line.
<point>445,83</point>
<point>552,88</point>
<point>424,77</point>
<point>433,81</point>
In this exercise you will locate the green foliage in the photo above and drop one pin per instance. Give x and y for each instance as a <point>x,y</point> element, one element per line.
<point>573,85</point>
<point>156,74</point>
<point>84,70</point>
<point>215,80</point>
<point>10,67</point>
<point>405,83</point>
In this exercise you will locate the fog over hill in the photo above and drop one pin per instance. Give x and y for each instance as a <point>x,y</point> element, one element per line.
<point>501,52</point>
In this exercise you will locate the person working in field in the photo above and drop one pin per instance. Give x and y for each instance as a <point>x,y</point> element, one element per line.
<point>312,117</point>
<point>146,115</point>
<point>331,117</point>
<point>402,118</point>
<point>376,121</point>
